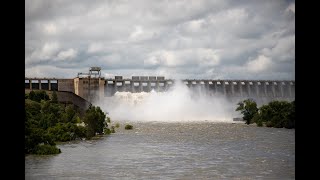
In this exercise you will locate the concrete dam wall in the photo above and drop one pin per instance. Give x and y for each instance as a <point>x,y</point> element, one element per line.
<point>262,91</point>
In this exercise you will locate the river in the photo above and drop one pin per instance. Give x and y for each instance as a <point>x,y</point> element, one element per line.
<point>188,150</point>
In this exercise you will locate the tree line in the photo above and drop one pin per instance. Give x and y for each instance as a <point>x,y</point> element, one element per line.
<point>276,114</point>
<point>47,121</point>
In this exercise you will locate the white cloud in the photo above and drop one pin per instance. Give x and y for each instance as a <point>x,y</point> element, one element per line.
<point>95,47</point>
<point>137,32</point>
<point>194,25</point>
<point>187,57</point>
<point>291,8</point>
<point>287,45</point>
<point>45,53</point>
<point>68,54</point>
<point>261,63</point>
<point>140,34</point>
<point>187,38</point>
<point>50,28</point>
<point>49,49</point>
<point>52,71</point>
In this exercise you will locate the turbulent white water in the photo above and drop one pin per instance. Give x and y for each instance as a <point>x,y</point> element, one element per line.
<point>178,104</point>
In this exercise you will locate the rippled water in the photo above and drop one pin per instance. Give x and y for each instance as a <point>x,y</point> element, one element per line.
<point>203,150</point>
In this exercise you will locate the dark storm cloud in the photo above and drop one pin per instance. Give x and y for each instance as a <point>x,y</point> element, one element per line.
<point>177,39</point>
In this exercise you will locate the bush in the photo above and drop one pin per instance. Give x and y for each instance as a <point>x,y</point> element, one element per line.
<point>106,131</point>
<point>291,116</point>
<point>67,132</point>
<point>47,122</point>
<point>94,120</point>
<point>81,132</point>
<point>46,150</point>
<point>117,125</point>
<point>256,118</point>
<point>112,129</point>
<point>269,124</point>
<point>248,108</point>
<point>32,107</point>
<point>128,126</point>
<point>38,96</point>
<point>54,97</point>
<point>259,123</point>
<point>278,114</point>
<point>108,120</point>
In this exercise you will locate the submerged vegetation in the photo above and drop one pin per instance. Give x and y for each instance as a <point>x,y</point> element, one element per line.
<point>276,114</point>
<point>128,126</point>
<point>48,122</point>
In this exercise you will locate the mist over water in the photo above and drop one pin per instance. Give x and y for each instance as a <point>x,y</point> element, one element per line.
<point>178,104</point>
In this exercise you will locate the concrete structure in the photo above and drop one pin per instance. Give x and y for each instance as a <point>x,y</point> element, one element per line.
<point>228,87</point>
<point>87,88</point>
<point>93,88</point>
<point>136,84</point>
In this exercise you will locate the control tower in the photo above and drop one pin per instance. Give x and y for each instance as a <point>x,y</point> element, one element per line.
<point>90,85</point>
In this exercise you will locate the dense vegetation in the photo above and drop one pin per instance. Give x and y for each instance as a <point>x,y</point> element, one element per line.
<point>47,122</point>
<point>277,114</point>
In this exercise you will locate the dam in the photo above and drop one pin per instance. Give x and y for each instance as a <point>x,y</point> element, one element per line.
<point>92,86</point>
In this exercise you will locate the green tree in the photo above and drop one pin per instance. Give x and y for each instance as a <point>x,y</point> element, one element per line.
<point>248,108</point>
<point>66,132</point>
<point>43,95</point>
<point>69,115</point>
<point>51,113</point>
<point>47,122</point>
<point>128,126</point>
<point>95,120</point>
<point>108,120</point>
<point>32,94</point>
<point>292,116</point>
<point>32,107</point>
<point>278,114</point>
<point>38,95</point>
<point>54,97</point>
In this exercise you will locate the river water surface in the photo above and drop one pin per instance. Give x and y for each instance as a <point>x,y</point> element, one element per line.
<point>154,150</point>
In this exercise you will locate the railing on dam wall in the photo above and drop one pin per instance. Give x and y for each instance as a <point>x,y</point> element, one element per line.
<point>44,84</point>
<point>50,84</point>
<point>136,84</point>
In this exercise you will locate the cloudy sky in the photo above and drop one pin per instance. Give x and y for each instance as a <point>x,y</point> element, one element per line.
<point>209,39</point>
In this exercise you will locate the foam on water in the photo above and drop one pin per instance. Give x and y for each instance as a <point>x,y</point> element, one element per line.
<point>179,104</point>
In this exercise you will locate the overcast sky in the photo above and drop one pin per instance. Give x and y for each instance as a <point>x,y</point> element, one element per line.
<point>209,39</point>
